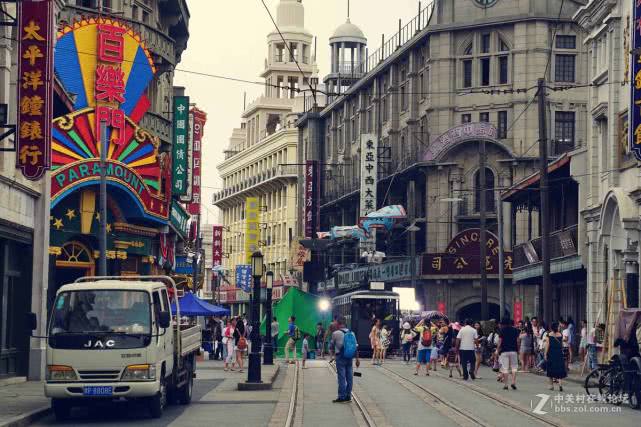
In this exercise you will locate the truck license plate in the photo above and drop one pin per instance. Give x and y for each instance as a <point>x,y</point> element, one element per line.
<point>97,391</point>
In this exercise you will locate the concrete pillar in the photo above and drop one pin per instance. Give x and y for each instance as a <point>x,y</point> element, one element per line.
<point>40,280</point>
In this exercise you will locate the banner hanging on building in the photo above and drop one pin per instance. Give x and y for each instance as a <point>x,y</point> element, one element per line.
<point>244,277</point>
<point>312,194</point>
<point>186,198</point>
<point>635,86</point>
<point>199,118</point>
<point>217,246</point>
<point>35,87</point>
<point>252,233</point>
<point>369,173</point>
<point>179,150</point>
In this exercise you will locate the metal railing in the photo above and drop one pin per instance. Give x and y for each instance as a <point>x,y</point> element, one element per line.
<point>281,171</point>
<point>562,243</point>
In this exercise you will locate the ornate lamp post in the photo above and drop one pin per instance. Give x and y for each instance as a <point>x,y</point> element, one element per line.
<point>268,348</point>
<point>253,373</point>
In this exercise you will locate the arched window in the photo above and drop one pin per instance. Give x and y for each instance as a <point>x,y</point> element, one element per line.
<point>489,194</point>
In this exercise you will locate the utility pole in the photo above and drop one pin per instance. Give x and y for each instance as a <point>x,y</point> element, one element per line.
<point>483,226</point>
<point>544,199</point>
<point>102,233</point>
<point>197,244</point>
<point>499,218</point>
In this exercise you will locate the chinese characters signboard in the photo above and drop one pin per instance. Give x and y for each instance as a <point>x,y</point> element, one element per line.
<point>462,256</point>
<point>369,173</point>
<point>198,126</point>
<point>179,218</point>
<point>217,246</point>
<point>179,149</point>
<point>244,277</point>
<point>251,229</point>
<point>35,87</point>
<point>635,87</point>
<point>312,193</point>
<point>458,134</point>
<point>108,69</point>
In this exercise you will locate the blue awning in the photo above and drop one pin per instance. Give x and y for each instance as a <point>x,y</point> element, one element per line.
<point>192,306</point>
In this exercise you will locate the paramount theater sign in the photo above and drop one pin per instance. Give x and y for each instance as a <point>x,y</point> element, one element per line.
<point>108,68</point>
<point>462,256</point>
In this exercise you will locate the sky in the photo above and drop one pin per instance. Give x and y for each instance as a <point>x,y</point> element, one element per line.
<point>229,38</point>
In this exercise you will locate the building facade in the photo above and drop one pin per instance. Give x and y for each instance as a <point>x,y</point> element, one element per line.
<point>609,192</point>
<point>461,72</point>
<point>260,161</point>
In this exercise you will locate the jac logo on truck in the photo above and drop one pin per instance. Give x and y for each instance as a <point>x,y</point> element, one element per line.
<point>99,344</point>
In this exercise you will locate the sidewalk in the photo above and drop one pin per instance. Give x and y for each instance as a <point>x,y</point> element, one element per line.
<point>22,403</point>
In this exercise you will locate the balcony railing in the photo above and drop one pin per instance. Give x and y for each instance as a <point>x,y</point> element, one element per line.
<point>158,125</point>
<point>283,171</point>
<point>562,243</point>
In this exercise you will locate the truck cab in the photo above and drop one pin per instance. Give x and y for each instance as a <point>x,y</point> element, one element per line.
<point>118,339</point>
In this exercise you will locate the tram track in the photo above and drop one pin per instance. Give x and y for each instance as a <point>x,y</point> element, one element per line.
<point>455,412</point>
<point>360,406</point>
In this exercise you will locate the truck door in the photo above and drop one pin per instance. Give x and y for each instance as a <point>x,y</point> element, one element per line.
<point>160,340</point>
<point>169,333</point>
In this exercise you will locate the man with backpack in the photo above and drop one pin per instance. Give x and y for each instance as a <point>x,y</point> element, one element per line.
<point>425,345</point>
<point>344,349</point>
<point>293,334</point>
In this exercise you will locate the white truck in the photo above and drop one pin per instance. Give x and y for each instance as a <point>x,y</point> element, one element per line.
<point>112,338</point>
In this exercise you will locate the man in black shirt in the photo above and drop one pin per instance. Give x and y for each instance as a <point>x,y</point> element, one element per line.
<point>507,352</point>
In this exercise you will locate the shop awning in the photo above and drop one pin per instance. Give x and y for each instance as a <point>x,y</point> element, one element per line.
<point>192,306</point>
<point>533,180</point>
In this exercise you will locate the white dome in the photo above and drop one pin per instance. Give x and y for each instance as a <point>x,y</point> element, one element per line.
<point>290,13</point>
<point>348,31</point>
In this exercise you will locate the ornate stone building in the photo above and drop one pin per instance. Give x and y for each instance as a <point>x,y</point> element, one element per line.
<point>460,71</point>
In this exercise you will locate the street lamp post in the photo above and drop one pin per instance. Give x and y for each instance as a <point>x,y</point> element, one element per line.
<point>253,373</point>
<point>268,348</point>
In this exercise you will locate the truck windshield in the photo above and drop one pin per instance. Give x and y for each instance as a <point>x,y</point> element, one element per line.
<point>101,311</point>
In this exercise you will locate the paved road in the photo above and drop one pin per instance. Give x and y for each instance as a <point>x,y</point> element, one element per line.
<point>389,396</point>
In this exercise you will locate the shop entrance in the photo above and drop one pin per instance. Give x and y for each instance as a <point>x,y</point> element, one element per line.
<point>74,261</point>
<point>473,311</point>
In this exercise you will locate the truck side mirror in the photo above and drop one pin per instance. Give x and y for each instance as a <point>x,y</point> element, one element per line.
<point>164,319</point>
<point>31,321</point>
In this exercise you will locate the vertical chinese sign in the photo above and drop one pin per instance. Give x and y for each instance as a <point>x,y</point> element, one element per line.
<point>251,230</point>
<point>312,193</point>
<point>198,126</point>
<point>369,178</point>
<point>243,277</point>
<point>179,149</point>
<point>35,87</point>
<point>635,87</point>
<point>217,246</point>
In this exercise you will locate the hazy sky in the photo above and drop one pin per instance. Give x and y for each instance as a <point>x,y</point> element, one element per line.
<point>228,37</point>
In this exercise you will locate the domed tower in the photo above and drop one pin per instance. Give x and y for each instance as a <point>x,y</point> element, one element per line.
<point>281,73</point>
<point>349,52</point>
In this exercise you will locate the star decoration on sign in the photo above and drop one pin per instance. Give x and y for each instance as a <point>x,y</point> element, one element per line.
<point>108,227</point>
<point>58,223</point>
<point>71,214</point>
<point>98,217</point>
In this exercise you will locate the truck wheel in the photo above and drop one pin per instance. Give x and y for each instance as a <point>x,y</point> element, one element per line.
<point>61,409</point>
<point>184,392</point>
<point>158,402</point>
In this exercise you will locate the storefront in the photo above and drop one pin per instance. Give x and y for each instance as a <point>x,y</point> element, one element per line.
<point>111,87</point>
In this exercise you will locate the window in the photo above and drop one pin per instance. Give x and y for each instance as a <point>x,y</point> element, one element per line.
<point>564,131</point>
<point>502,125</point>
<point>466,118</point>
<point>565,42</point>
<point>485,43</point>
<point>484,117</point>
<point>489,190</point>
<point>404,99</point>
<point>503,46</point>
<point>421,76</point>
<point>503,70</point>
<point>565,68</point>
<point>467,73</point>
<point>485,71</point>
<point>468,50</point>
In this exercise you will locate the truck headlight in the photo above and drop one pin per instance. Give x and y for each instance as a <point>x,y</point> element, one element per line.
<point>139,373</point>
<point>60,373</point>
